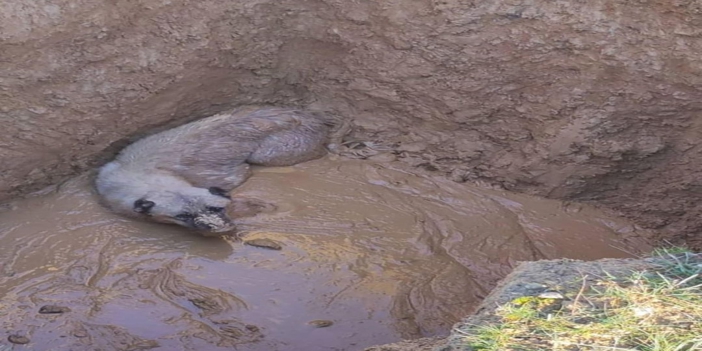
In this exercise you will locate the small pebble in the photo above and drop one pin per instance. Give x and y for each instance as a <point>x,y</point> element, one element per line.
<point>263,243</point>
<point>320,323</point>
<point>80,334</point>
<point>18,339</point>
<point>52,309</point>
<point>551,295</point>
<point>535,286</point>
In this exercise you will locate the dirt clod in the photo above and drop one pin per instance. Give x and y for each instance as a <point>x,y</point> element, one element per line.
<point>264,243</point>
<point>53,309</point>
<point>18,339</point>
<point>80,334</point>
<point>320,323</point>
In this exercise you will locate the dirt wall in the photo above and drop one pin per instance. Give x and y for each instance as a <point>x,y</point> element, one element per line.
<point>580,100</point>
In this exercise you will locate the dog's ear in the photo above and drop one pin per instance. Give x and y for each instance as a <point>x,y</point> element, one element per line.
<point>143,206</point>
<point>219,192</point>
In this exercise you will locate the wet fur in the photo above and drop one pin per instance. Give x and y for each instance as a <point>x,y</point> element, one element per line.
<point>174,171</point>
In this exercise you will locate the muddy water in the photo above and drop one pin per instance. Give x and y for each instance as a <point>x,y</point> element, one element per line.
<point>381,253</point>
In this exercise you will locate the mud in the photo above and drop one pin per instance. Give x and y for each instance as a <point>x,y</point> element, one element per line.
<point>378,254</point>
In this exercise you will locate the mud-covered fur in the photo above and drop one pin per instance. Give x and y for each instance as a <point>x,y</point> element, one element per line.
<point>183,175</point>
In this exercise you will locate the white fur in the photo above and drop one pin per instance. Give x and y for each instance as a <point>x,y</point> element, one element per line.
<point>175,168</point>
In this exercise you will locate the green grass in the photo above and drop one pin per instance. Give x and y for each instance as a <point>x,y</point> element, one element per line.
<point>655,310</point>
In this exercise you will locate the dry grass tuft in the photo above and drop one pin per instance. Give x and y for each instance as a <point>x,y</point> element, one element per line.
<point>655,310</point>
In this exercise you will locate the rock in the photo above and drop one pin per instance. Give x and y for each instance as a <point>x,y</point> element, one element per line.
<point>551,295</point>
<point>320,323</point>
<point>18,339</point>
<point>53,309</point>
<point>80,334</point>
<point>535,286</point>
<point>263,243</point>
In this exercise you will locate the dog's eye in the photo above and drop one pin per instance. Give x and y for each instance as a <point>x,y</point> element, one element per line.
<point>214,209</point>
<point>184,217</point>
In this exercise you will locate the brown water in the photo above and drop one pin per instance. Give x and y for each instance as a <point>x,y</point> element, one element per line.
<point>382,253</point>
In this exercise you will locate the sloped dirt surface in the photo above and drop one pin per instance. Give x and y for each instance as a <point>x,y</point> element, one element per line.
<point>593,100</point>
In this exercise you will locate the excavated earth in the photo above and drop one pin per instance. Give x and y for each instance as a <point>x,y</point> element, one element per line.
<point>582,101</point>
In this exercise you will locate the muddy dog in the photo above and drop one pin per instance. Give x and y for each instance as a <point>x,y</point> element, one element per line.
<point>184,175</point>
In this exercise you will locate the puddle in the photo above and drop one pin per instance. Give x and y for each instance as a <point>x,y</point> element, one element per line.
<point>382,253</point>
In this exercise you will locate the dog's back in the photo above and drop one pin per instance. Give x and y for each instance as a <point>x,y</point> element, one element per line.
<point>215,152</point>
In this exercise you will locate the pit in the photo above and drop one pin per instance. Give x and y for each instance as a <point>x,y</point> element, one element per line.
<point>508,132</point>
